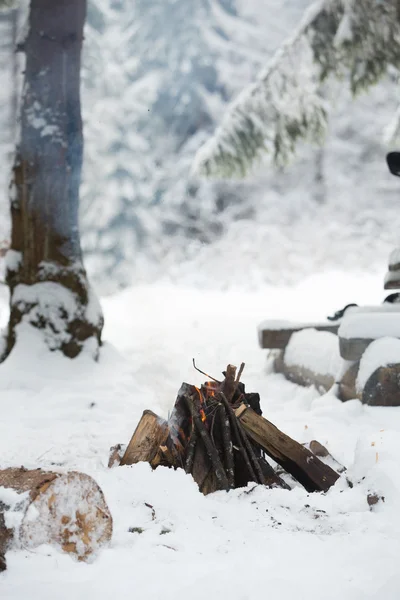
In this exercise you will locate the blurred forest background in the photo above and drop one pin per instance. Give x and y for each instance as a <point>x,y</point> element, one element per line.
<point>157,77</point>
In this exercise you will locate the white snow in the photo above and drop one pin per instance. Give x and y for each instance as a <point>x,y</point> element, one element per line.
<point>13,260</point>
<point>277,324</point>
<point>63,414</point>
<point>314,350</point>
<point>382,352</point>
<point>370,325</point>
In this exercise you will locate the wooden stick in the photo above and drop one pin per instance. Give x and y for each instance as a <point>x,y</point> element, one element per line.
<point>239,373</point>
<point>203,373</point>
<point>193,405</point>
<point>191,450</point>
<point>228,386</point>
<point>228,446</point>
<point>238,437</point>
<point>252,456</point>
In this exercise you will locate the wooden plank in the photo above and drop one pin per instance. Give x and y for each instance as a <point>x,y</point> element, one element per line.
<point>302,464</point>
<point>273,338</point>
<point>353,348</point>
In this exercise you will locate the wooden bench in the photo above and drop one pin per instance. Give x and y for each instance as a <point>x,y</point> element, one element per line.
<point>275,335</point>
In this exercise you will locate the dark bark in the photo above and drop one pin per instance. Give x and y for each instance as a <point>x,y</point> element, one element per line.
<point>47,174</point>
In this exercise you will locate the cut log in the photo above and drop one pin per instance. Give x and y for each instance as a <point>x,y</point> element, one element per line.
<point>311,358</point>
<point>302,464</point>
<point>347,386</point>
<point>66,510</point>
<point>383,387</point>
<point>306,377</point>
<point>275,335</point>
<point>151,433</point>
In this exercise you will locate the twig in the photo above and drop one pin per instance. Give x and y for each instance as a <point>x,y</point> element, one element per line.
<point>203,373</point>
<point>239,373</point>
<point>228,447</point>
<point>153,512</point>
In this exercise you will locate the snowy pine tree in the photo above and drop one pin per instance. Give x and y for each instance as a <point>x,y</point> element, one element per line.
<point>342,38</point>
<point>157,76</point>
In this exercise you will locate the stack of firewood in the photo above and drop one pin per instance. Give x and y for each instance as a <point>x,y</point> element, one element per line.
<point>218,435</point>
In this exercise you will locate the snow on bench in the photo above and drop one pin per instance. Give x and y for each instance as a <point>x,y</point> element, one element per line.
<point>357,331</point>
<point>275,334</point>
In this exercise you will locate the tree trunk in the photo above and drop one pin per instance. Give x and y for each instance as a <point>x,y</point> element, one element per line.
<point>45,273</point>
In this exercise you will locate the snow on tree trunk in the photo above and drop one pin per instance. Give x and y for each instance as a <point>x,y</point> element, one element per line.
<point>47,280</point>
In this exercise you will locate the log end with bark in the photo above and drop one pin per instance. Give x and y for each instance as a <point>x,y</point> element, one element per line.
<point>68,511</point>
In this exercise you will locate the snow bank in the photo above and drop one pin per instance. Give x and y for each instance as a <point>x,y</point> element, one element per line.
<point>64,415</point>
<point>370,326</point>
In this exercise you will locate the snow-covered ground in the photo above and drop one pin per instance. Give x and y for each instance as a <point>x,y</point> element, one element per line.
<point>250,543</point>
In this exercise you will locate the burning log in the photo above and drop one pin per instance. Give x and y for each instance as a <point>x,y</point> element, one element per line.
<point>66,510</point>
<point>217,434</point>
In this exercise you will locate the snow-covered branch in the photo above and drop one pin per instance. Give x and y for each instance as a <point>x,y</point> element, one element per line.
<point>353,39</point>
<point>4,4</point>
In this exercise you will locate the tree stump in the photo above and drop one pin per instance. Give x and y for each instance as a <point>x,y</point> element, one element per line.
<point>66,510</point>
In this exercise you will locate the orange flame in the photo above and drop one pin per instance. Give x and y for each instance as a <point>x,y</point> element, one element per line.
<point>202,413</point>
<point>210,388</point>
<point>200,395</point>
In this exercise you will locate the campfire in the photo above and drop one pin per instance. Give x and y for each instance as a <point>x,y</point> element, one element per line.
<point>217,434</point>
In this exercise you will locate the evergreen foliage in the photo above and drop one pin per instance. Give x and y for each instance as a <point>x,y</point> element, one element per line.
<point>353,39</point>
